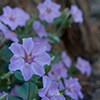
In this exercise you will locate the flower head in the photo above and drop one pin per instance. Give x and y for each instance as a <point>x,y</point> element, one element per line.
<point>83,66</point>
<point>29,58</point>
<point>50,90</point>
<point>39,29</point>
<point>66,59</point>
<point>48,10</point>
<point>8,34</point>
<point>73,88</point>
<point>57,71</point>
<point>77,14</point>
<point>43,41</point>
<point>14,17</point>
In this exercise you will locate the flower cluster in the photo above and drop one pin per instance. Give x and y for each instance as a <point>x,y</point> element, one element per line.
<point>43,71</point>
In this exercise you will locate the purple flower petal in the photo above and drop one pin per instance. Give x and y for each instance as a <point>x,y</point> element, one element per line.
<point>83,66</point>
<point>12,36</point>
<point>27,71</point>
<point>38,49</point>
<point>44,41</point>
<point>58,97</point>
<point>66,59</point>
<point>57,71</point>
<point>46,81</point>
<point>42,93</point>
<point>17,50</point>
<point>17,63</point>
<point>8,34</point>
<point>39,29</point>
<point>61,85</point>
<point>53,89</point>
<point>43,59</point>
<point>37,69</point>
<point>28,45</point>
<point>22,18</point>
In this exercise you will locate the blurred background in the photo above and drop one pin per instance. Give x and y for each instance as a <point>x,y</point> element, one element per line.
<point>80,39</point>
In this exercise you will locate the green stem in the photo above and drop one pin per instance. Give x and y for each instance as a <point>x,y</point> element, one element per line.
<point>28,90</point>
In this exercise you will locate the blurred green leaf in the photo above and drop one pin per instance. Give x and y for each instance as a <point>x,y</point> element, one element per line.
<point>22,91</point>
<point>54,38</point>
<point>57,21</point>
<point>73,70</point>
<point>35,78</point>
<point>13,98</point>
<point>5,53</point>
<point>18,75</point>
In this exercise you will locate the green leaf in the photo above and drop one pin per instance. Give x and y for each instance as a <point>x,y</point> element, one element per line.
<point>57,21</point>
<point>73,70</point>
<point>13,98</point>
<point>18,75</point>
<point>22,91</point>
<point>34,91</point>
<point>47,69</point>
<point>54,38</point>
<point>5,53</point>
<point>35,78</point>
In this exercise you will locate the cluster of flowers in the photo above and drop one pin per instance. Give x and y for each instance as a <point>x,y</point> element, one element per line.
<point>32,55</point>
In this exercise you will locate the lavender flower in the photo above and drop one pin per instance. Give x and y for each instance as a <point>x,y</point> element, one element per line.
<point>50,90</point>
<point>66,59</point>
<point>83,66</point>
<point>39,29</point>
<point>29,58</point>
<point>73,88</point>
<point>77,14</point>
<point>44,42</point>
<point>48,11</point>
<point>57,71</point>
<point>3,96</point>
<point>8,34</point>
<point>14,17</point>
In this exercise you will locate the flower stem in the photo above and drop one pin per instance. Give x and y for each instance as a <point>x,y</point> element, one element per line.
<point>28,90</point>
